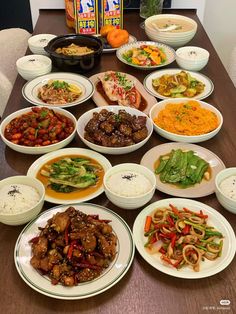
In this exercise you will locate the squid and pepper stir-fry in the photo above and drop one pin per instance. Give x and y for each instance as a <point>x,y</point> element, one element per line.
<point>183,237</point>
<point>73,247</point>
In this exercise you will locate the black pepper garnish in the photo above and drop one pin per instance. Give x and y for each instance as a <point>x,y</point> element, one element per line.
<point>14,191</point>
<point>129,177</point>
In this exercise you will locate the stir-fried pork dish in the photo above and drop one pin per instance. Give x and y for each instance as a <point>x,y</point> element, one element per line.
<point>115,130</point>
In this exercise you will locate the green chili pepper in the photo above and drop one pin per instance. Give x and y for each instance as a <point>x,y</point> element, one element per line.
<point>213,233</point>
<point>201,247</point>
<point>200,227</point>
<point>221,246</point>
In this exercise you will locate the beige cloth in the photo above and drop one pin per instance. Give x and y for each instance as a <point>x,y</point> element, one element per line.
<point>13,45</point>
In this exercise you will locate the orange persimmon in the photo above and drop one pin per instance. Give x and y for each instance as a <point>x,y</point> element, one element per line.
<point>106,29</point>
<point>117,37</point>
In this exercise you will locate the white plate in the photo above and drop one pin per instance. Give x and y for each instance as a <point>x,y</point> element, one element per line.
<point>170,54</point>
<point>30,89</point>
<point>109,49</point>
<point>35,167</point>
<point>198,190</point>
<point>100,101</point>
<point>113,274</point>
<point>209,87</point>
<point>207,268</point>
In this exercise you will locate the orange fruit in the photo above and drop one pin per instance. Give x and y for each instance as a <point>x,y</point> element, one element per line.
<point>106,29</point>
<point>117,37</point>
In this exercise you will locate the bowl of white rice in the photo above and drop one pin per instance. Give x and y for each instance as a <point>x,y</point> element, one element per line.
<point>21,199</point>
<point>129,185</point>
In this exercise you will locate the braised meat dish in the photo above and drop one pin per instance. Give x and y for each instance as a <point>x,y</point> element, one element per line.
<point>115,130</point>
<point>73,247</point>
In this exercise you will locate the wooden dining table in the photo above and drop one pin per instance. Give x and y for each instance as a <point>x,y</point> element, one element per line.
<point>143,289</point>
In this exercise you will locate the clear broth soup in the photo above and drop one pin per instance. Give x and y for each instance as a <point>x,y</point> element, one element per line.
<point>181,25</point>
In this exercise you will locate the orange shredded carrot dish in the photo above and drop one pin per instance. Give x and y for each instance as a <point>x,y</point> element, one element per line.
<point>187,118</point>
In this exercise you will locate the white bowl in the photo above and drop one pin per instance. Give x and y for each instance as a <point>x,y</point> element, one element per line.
<point>227,202</point>
<point>32,66</point>
<point>39,149</point>
<point>84,119</point>
<point>192,58</point>
<point>27,215</point>
<point>38,42</point>
<point>128,202</point>
<point>184,138</point>
<point>170,42</point>
<point>172,39</point>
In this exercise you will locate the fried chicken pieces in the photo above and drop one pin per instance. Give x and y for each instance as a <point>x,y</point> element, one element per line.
<point>73,247</point>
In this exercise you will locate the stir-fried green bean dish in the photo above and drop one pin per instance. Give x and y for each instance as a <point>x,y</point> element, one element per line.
<point>71,173</point>
<point>183,168</point>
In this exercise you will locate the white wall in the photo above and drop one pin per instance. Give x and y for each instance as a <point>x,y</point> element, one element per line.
<point>220,24</point>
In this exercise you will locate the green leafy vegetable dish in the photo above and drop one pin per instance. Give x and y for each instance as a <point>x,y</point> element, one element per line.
<point>69,174</point>
<point>182,168</point>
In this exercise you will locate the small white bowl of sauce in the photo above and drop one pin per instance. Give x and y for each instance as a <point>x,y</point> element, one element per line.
<point>225,188</point>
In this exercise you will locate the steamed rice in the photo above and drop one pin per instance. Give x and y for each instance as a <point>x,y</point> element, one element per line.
<point>17,198</point>
<point>128,184</point>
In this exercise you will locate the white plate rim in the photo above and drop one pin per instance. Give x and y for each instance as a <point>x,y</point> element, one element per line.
<point>180,192</point>
<point>161,72</point>
<point>189,274</point>
<point>38,163</point>
<point>76,296</point>
<point>143,91</point>
<point>169,50</point>
<point>30,85</point>
<point>132,39</point>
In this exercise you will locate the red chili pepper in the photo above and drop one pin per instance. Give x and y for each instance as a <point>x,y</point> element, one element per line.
<point>94,216</point>
<point>96,254</point>
<point>187,210</point>
<point>201,215</point>
<point>162,250</point>
<point>167,235</point>
<point>186,229</point>
<point>175,211</point>
<point>70,250</point>
<point>159,226</point>
<point>34,240</point>
<point>67,234</point>
<point>153,239</point>
<point>173,240</point>
<point>104,220</point>
<point>189,252</point>
<point>170,220</point>
<point>177,263</point>
<point>148,223</point>
<point>54,281</point>
<point>166,259</point>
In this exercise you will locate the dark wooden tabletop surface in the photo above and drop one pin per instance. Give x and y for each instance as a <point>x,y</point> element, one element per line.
<point>143,289</point>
